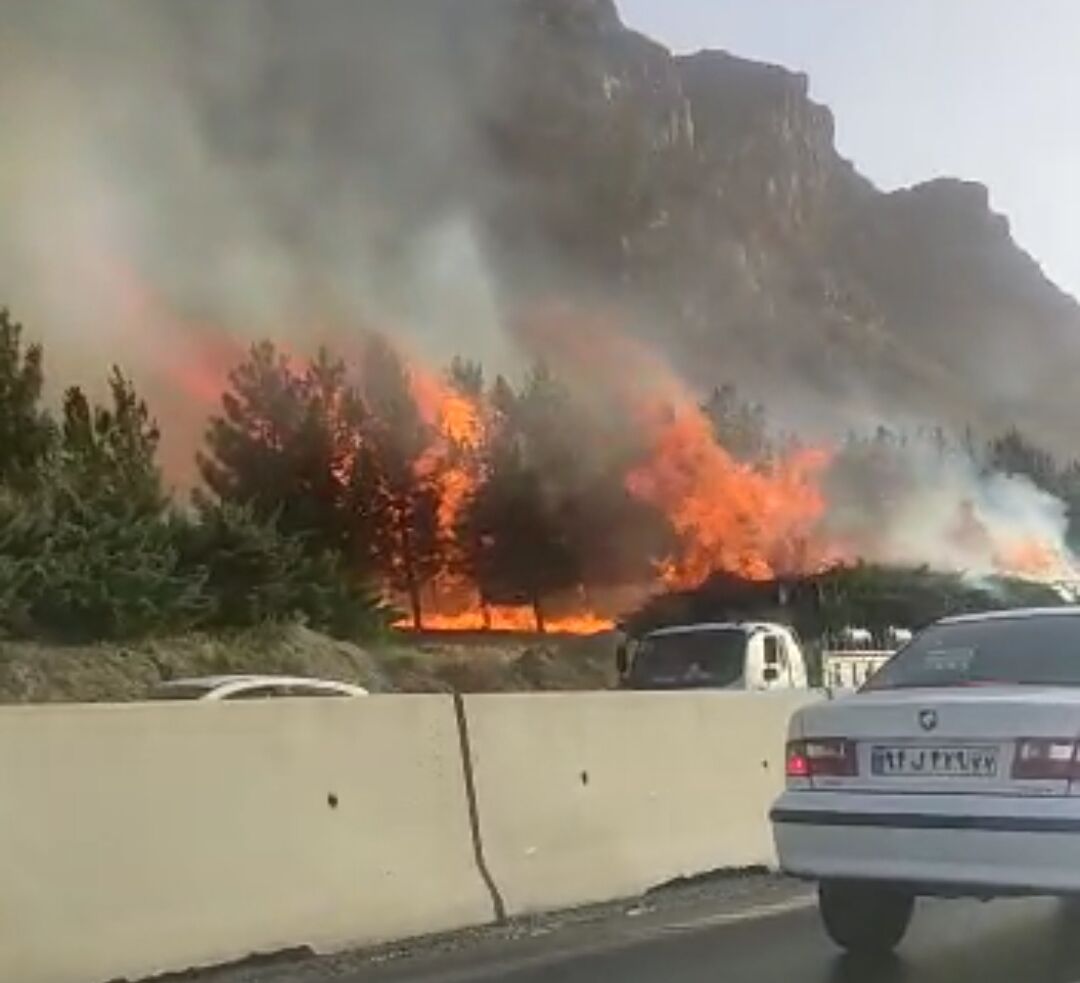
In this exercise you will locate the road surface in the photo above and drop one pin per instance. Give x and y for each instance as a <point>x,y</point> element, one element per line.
<point>772,937</point>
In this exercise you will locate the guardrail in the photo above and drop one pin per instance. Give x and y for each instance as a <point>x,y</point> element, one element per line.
<point>143,839</point>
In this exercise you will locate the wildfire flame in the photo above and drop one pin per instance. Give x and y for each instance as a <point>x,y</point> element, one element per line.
<point>753,521</point>
<point>1034,559</point>
<point>1023,555</point>
<point>757,520</point>
<point>451,459</point>
<point>453,462</point>
<point>516,618</point>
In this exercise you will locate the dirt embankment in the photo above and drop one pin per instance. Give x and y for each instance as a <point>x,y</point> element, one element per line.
<point>32,673</point>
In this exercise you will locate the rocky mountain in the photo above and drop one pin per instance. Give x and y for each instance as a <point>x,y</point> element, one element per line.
<point>707,193</point>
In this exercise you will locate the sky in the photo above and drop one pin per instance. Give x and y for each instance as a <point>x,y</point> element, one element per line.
<point>987,90</point>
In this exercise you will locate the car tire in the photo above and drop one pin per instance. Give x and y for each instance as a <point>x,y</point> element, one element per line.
<point>864,919</point>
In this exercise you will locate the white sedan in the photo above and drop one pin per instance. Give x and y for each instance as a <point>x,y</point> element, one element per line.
<point>252,688</point>
<point>954,772</point>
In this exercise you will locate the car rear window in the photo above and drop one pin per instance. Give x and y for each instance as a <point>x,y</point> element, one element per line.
<point>1033,651</point>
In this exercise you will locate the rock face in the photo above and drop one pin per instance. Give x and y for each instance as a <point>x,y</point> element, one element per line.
<point>706,192</point>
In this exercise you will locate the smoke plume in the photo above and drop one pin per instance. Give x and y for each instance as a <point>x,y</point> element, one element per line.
<point>178,180</point>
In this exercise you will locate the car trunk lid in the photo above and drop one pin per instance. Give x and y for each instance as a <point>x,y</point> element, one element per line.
<point>948,740</point>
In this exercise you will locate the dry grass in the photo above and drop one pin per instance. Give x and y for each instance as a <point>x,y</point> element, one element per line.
<point>32,673</point>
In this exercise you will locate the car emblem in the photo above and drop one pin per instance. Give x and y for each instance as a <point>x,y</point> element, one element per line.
<point>927,719</point>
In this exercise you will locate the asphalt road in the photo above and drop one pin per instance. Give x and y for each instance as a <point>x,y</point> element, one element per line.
<point>746,934</point>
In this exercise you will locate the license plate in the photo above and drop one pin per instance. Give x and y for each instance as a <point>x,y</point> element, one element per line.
<point>962,761</point>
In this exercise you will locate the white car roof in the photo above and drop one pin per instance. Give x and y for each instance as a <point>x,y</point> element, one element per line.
<point>745,626</point>
<point>216,682</point>
<point>1063,610</point>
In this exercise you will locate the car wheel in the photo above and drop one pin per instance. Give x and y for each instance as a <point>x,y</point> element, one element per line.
<point>864,919</point>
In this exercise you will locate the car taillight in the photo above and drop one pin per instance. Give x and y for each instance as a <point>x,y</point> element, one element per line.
<point>798,764</point>
<point>1046,758</point>
<point>822,757</point>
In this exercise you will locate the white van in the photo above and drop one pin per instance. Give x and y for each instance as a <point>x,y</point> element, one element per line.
<point>715,655</point>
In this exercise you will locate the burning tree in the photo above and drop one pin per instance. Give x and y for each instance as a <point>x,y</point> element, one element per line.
<point>522,550</point>
<point>407,543</point>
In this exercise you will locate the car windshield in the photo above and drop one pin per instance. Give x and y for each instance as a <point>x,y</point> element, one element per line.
<point>1031,651</point>
<point>699,658</point>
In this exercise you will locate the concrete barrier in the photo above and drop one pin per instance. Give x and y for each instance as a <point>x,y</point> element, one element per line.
<point>592,796</point>
<point>144,838</point>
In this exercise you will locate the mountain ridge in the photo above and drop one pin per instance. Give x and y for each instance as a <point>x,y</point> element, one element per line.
<point>724,204</point>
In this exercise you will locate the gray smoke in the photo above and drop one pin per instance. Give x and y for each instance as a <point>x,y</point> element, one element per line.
<point>181,177</point>
<point>923,501</point>
<point>173,174</point>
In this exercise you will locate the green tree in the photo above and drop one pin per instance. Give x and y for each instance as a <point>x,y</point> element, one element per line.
<point>109,453</point>
<point>1013,453</point>
<point>91,554</point>
<point>253,573</point>
<point>523,552</point>
<point>289,445</point>
<point>466,377</point>
<point>408,542</point>
<point>741,427</point>
<point>98,573</point>
<point>26,430</point>
<point>519,527</point>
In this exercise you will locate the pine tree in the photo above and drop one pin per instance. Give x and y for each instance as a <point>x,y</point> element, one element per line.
<point>741,428</point>
<point>253,573</point>
<point>519,526</point>
<point>27,431</point>
<point>289,445</point>
<point>109,453</point>
<point>408,541</point>
<point>91,554</point>
<point>523,552</point>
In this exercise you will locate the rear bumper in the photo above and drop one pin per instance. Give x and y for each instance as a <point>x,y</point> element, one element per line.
<point>937,843</point>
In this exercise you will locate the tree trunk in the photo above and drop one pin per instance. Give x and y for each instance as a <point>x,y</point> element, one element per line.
<point>538,614</point>
<point>412,588</point>
<point>414,603</point>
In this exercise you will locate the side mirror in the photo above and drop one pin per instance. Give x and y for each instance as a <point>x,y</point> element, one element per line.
<point>771,674</point>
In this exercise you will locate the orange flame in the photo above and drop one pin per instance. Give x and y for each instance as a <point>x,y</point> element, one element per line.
<point>516,618</point>
<point>756,520</point>
<point>1033,559</point>
<point>453,462</point>
<point>451,459</point>
<point>753,521</point>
